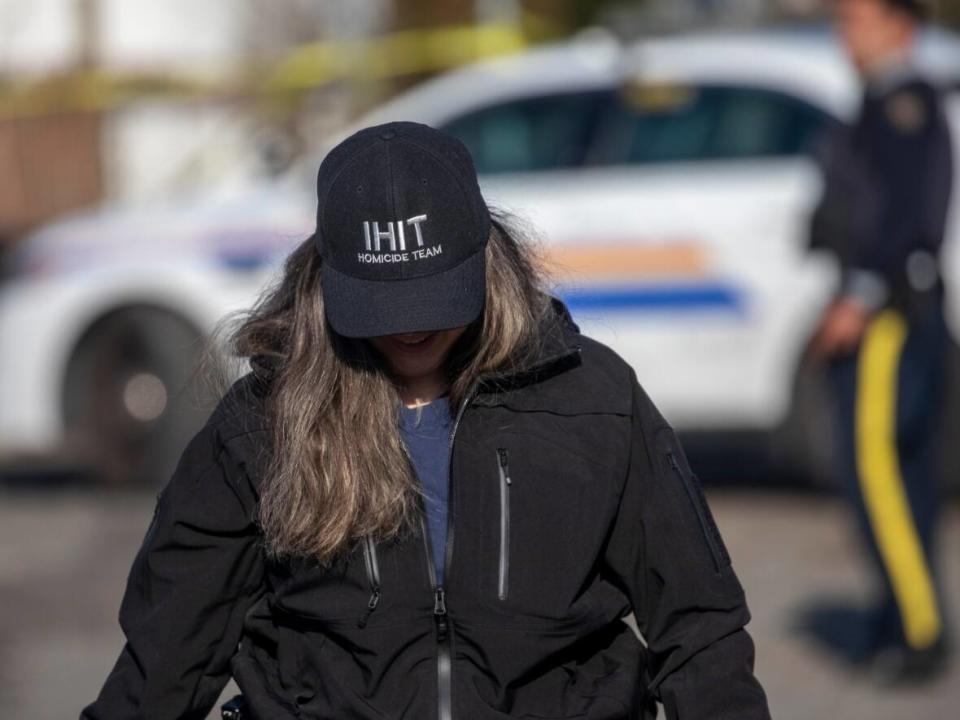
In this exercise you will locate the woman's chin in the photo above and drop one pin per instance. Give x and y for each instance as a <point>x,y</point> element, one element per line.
<point>415,356</point>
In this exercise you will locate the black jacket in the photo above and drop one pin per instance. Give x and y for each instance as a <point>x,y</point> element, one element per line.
<point>571,503</point>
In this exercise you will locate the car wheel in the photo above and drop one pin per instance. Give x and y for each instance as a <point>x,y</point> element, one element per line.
<point>133,397</point>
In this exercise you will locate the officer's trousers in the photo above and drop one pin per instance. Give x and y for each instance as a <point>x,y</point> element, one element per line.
<point>888,399</point>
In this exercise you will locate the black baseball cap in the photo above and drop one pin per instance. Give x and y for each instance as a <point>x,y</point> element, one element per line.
<point>401,231</point>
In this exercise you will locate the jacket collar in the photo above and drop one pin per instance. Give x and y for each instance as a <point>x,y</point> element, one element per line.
<point>559,349</point>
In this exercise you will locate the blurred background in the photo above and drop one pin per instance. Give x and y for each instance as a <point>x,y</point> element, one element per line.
<point>157,161</point>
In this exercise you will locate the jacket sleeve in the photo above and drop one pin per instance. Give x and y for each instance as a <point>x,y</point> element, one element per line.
<point>197,572</point>
<point>665,549</point>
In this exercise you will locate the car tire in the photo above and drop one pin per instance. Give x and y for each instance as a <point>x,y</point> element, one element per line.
<point>133,396</point>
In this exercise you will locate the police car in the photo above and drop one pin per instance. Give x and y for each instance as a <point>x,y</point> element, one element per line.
<point>671,183</point>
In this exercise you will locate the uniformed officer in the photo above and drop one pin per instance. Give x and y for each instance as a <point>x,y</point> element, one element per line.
<point>883,213</point>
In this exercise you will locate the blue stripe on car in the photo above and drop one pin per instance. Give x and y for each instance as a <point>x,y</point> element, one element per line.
<point>702,296</point>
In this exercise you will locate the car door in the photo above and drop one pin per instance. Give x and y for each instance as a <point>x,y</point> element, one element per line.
<point>674,222</point>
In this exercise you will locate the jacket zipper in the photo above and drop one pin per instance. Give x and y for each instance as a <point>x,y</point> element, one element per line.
<point>444,692</point>
<point>503,464</point>
<point>698,509</point>
<point>373,578</point>
<point>445,700</point>
<point>440,618</point>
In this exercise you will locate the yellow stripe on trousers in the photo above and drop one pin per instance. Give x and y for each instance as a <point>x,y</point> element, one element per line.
<point>881,482</point>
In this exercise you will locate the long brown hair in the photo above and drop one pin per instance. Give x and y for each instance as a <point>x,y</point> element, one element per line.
<point>339,469</point>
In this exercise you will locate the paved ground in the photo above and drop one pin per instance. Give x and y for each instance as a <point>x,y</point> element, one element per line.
<point>64,558</point>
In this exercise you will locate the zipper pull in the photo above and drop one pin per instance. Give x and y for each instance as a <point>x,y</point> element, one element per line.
<point>371,606</point>
<point>440,612</point>
<point>502,453</point>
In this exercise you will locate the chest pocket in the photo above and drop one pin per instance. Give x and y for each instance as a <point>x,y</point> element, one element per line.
<point>545,515</point>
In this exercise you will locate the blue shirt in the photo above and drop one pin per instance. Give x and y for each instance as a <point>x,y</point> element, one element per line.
<point>428,442</point>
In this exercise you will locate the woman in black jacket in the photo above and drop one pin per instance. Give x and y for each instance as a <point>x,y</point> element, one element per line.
<point>432,497</point>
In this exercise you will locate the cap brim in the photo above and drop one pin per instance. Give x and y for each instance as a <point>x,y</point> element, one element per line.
<point>357,307</point>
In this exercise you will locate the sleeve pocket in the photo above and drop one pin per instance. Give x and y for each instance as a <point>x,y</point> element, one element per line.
<point>675,460</point>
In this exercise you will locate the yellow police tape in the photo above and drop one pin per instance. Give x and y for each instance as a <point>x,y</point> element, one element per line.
<point>306,66</point>
<point>884,494</point>
<point>401,53</point>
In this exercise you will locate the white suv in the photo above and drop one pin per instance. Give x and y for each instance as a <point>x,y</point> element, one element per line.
<point>671,181</point>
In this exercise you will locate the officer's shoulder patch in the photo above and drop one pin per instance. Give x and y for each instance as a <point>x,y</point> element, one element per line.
<point>907,111</point>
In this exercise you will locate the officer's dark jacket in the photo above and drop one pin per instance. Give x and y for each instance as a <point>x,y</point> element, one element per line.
<point>571,503</point>
<point>888,180</point>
